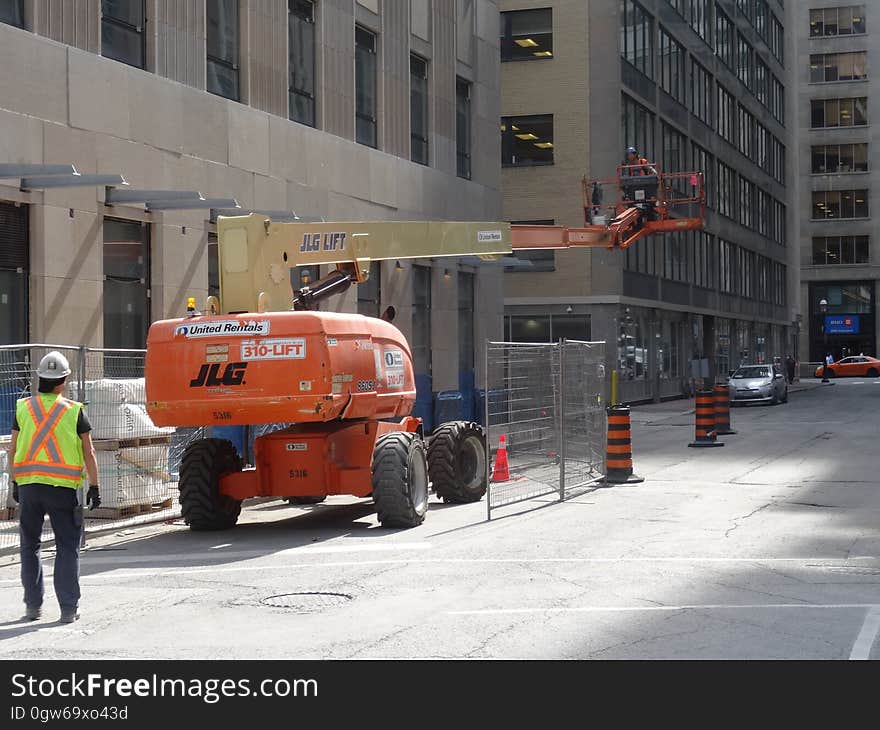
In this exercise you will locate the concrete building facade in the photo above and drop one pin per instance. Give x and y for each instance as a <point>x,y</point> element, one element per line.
<point>838,169</point>
<point>695,85</point>
<point>334,109</point>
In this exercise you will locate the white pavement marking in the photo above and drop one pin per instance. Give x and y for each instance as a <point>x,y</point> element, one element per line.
<point>224,545</point>
<point>865,640</point>
<point>688,607</point>
<point>114,575</point>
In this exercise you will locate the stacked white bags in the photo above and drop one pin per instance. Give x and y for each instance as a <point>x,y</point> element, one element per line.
<point>117,409</point>
<point>128,476</point>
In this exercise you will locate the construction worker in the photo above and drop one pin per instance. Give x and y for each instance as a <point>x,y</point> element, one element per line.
<point>632,158</point>
<point>51,441</point>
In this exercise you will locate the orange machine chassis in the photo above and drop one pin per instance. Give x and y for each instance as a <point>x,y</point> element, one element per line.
<point>313,459</point>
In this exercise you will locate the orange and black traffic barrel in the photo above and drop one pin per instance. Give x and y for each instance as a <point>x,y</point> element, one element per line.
<point>722,410</point>
<point>618,453</point>
<point>705,420</point>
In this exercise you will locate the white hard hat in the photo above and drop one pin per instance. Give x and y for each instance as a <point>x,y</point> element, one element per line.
<point>54,366</point>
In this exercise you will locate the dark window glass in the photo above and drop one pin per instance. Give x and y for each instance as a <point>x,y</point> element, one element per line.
<point>222,47</point>
<point>701,93</point>
<point>527,35</point>
<point>421,320</point>
<point>828,67</point>
<point>418,109</point>
<point>301,60</point>
<point>842,158</point>
<point>122,31</point>
<point>527,140</point>
<point>638,128</point>
<point>672,66</point>
<point>365,87</point>
<point>213,266</point>
<point>834,250</point>
<point>826,113</point>
<point>12,12</point>
<point>637,37</point>
<point>14,269</point>
<point>463,128</point>
<point>725,40</point>
<point>832,204</point>
<point>126,283</point>
<point>369,293</point>
<point>466,303</point>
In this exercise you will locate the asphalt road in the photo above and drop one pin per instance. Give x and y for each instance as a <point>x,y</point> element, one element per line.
<point>765,548</point>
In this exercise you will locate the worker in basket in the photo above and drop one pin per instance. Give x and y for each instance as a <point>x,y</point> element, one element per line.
<point>635,166</point>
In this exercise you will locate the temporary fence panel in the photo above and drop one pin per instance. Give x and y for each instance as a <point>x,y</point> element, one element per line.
<point>138,462</point>
<point>546,399</point>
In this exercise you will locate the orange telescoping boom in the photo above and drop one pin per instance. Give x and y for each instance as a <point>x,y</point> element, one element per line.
<point>344,382</point>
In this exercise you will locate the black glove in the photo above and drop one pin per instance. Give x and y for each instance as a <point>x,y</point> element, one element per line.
<point>15,491</point>
<point>93,500</point>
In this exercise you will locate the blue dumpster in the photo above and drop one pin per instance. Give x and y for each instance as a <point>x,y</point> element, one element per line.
<point>230,433</point>
<point>448,406</point>
<point>466,386</point>
<point>424,405</point>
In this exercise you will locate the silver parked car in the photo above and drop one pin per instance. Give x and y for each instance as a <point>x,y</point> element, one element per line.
<point>759,384</point>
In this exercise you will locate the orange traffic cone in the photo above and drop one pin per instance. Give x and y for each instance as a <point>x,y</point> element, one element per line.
<point>500,469</point>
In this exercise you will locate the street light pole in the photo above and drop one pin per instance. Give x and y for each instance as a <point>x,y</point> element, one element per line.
<point>823,308</point>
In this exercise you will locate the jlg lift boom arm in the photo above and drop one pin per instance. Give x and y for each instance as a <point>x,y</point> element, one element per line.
<point>255,254</point>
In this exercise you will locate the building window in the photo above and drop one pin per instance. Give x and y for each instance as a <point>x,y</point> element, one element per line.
<point>762,14</point>
<point>538,259</point>
<point>762,148</point>
<point>746,202</point>
<point>12,12</point>
<point>466,304</point>
<point>637,37</point>
<point>828,67</point>
<point>223,47</point>
<point>833,250</point>
<point>703,162</point>
<point>365,87</point>
<point>463,129</point>
<point>418,108</point>
<point>847,20</point>
<point>672,68</point>
<point>829,113</point>
<point>701,93</point>
<point>699,18</point>
<point>122,31</point>
<point>744,65</point>
<point>673,149</point>
<point>14,269</point>
<point>725,38</point>
<point>369,292</point>
<point>213,266</point>
<point>762,211</point>
<point>727,190</point>
<point>638,127</point>
<point>301,61</point>
<point>837,158</point>
<point>527,35</point>
<point>421,320</point>
<point>777,99</point>
<point>726,115</point>
<point>746,129</point>
<point>527,140</point>
<point>778,160</point>
<point>777,222</point>
<point>834,204</point>
<point>126,283</point>
<point>777,41</point>
<point>762,82</point>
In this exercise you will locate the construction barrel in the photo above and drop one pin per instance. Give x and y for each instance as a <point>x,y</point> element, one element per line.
<point>722,410</point>
<point>618,452</point>
<point>705,434</point>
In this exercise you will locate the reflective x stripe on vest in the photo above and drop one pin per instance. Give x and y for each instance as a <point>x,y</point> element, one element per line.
<point>41,457</point>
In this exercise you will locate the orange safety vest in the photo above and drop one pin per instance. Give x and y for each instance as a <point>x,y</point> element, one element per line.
<point>642,162</point>
<point>48,450</point>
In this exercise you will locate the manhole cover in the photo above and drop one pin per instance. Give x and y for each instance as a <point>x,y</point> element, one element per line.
<point>308,602</point>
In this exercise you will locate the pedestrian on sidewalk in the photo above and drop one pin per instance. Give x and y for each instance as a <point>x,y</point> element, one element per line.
<point>789,368</point>
<point>51,442</point>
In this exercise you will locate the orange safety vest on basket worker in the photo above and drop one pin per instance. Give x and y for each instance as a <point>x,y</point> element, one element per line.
<point>49,449</point>
<point>632,160</point>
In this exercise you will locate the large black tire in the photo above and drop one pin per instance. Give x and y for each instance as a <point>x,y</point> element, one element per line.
<point>305,500</point>
<point>203,507</point>
<point>872,373</point>
<point>400,479</point>
<point>457,462</point>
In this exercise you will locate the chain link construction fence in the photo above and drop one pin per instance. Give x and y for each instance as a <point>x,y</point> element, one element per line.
<point>138,462</point>
<point>547,400</point>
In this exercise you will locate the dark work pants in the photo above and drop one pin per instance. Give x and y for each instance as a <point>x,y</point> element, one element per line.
<point>65,514</point>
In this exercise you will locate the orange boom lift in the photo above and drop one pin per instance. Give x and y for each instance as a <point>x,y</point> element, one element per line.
<point>345,381</point>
